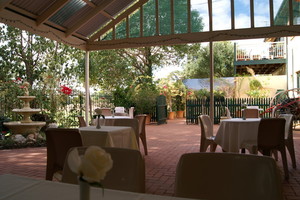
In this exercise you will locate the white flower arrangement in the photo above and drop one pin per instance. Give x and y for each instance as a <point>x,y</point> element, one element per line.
<point>92,166</point>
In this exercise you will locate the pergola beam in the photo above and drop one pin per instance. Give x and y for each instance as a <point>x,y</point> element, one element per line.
<point>82,21</point>
<point>4,3</point>
<point>90,3</point>
<point>18,21</point>
<point>197,37</point>
<point>51,11</point>
<point>117,20</point>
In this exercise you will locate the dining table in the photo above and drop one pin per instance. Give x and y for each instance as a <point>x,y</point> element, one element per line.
<point>109,120</point>
<point>14,187</point>
<point>109,136</point>
<point>237,133</point>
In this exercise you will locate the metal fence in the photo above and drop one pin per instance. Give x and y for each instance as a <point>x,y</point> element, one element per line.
<point>196,107</point>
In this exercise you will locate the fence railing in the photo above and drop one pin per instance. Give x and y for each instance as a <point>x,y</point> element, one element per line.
<point>196,107</point>
<point>260,51</point>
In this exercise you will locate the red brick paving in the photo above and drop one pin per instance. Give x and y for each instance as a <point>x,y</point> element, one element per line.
<point>166,143</point>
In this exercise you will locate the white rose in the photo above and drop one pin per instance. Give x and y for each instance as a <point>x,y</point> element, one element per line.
<point>92,166</point>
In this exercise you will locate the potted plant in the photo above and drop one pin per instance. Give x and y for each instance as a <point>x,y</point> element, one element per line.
<point>172,112</point>
<point>179,106</point>
<point>174,90</point>
<point>144,99</point>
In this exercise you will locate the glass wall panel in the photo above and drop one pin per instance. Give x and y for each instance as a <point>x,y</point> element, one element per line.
<point>281,12</point>
<point>261,13</point>
<point>296,12</point>
<point>242,13</point>
<point>164,8</point>
<point>221,14</point>
<point>121,30</point>
<point>107,35</point>
<point>134,24</point>
<point>199,16</point>
<point>149,22</point>
<point>180,16</point>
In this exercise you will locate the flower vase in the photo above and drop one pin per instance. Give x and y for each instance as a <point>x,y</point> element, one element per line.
<point>84,190</point>
<point>243,115</point>
<point>98,126</point>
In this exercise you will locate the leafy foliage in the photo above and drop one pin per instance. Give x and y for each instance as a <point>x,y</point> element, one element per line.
<point>28,56</point>
<point>113,69</point>
<point>174,91</point>
<point>11,144</point>
<point>198,65</point>
<point>121,97</point>
<point>143,95</point>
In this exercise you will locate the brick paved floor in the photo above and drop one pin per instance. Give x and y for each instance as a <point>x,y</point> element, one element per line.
<point>166,143</point>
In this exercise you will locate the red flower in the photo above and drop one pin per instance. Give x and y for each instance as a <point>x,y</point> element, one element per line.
<point>165,86</point>
<point>18,80</point>
<point>66,90</point>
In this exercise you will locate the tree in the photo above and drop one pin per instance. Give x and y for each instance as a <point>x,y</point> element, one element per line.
<point>119,68</point>
<point>47,65</point>
<point>198,61</point>
<point>26,55</point>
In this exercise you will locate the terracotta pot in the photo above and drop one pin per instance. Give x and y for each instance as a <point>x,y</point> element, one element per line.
<point>171,115</point>
<point>148,119</point>
<point>179,114</point>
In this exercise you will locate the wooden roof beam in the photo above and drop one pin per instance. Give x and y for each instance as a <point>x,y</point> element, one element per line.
<point>195,37</point>
<point>90,3</point>
<point>117,20</point>
<point>103,12</point>
<point>50,11</point>
<point>85,19</point>
<point>4,3</point>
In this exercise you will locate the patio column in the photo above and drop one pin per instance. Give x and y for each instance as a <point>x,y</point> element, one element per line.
<point>211,81</point>
<point>87,85</point>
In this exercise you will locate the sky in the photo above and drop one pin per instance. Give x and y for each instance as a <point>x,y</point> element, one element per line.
<point>222,19</point>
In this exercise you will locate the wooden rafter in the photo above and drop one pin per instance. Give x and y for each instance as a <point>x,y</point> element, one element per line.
<point>4,3</point>
<point>172,16</point>
<point>157,17</point>
<point>23,23</point>
<point>50,11</point>
<point>103,12</point>
<point>271,13</point>
<point>13,13</point>
<point>90,3</point>
<point>88,17</point>
<point>196,37</point>
<point>210,15</point>
<point>252,13</point>
<point>232,15</point>
<point>117,20</point>
<point>189,22</point>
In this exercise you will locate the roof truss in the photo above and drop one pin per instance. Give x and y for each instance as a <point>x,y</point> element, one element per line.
<point>88,26</point>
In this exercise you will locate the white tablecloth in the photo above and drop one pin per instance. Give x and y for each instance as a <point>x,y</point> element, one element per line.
<point>233,134</point>
<point>14,187</point>
<point>108,121</point>
<point>109,136</point>
<point>118,117</point>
